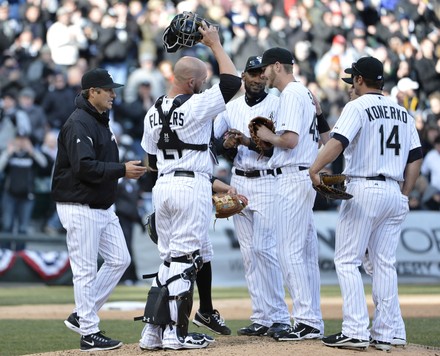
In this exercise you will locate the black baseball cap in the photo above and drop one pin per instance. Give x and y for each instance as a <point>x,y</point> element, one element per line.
<point>348,80</point>
<point>276,54</point>
<point>98,78</point>
<point>253,62</point>
<point>367,67</point>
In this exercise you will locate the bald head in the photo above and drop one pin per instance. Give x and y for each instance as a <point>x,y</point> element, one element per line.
<point>189,67</point>
<point>189,76</point>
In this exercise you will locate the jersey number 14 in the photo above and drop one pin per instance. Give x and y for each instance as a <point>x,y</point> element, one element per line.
<point>391,142</point>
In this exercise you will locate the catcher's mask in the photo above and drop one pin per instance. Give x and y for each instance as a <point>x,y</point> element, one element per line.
<point>183,31</point>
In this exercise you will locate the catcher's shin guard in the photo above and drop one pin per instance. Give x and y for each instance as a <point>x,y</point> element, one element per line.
<point>151,335</point>
<point>181,289</point>
<point>184,303</point>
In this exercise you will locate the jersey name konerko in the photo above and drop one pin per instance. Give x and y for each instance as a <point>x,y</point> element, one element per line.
<point>380,134</point>
<point>238,114</point>
<point>297,113</point>
<point>193,124</point>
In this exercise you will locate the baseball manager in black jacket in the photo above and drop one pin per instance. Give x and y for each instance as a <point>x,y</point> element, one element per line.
<point>84,186</point>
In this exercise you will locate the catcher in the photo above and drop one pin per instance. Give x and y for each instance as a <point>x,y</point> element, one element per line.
<point>227,202</point>
<point>206,315</point>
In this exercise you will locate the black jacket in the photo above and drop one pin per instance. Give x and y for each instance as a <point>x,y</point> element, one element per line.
<point>87,165</point>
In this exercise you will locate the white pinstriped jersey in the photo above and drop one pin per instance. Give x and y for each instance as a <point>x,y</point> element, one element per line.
<point>431,167</point>
<point>193,124</point>
<point>237,116</point>
<point>296,113</point>
<point>382,133</point>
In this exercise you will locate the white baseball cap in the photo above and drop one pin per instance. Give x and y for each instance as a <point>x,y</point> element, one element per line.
<point>406,83</point>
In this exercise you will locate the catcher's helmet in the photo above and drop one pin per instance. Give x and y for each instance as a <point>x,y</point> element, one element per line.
<point>183,31</point>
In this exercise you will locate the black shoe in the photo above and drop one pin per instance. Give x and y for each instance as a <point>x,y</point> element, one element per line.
<point>72,322</point>
<point>213,321</point>
<point>298,331</point>
<point>254,329</point>
<point>96,342</point>
<point>277,328</point>
<point>380,345</point>
<point>340,340</point>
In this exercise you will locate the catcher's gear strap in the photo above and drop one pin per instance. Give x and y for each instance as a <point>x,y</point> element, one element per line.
<point>173,142</point>
<point>157,308</point>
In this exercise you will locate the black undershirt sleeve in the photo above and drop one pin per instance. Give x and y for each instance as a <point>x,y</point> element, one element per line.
<point>152,161</point>
<point>341,139</point>
<point>322,124</point>
<point>229,85</point>
<point>415,154</point>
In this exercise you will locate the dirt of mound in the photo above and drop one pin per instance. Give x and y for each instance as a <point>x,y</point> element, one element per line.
<point>255,346</point>
<point>412,306</point>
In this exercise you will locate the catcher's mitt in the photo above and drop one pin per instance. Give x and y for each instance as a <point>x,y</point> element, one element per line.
<point>183,31</point>
<point>150,224</point>
<point>332,186</point>
<point>254,124</point>
<point>227,205</point>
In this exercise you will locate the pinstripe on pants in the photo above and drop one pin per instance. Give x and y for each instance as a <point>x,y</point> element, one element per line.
<point>91,232</point>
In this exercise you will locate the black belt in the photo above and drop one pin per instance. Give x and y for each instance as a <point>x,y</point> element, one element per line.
<point>379,177</point>
<point>186,258</point>
<point>182,174</point>
<point>254,174</point>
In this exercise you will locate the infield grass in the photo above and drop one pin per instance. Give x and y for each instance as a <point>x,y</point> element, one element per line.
<point>42,294</point>
<point>21,337</point>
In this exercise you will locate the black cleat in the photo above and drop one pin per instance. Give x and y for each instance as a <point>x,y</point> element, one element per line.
<point>254,329</point>
<point>342,341</point>
<point>212,321</point>
<point>298,331</point>
<point>72,322</point>
<point>277,328</point>
<point>97,341</point>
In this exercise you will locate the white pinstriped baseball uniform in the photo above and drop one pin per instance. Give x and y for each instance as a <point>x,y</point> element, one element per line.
<point>255,228</point>
<point>399,324</point>
<point>84,225</point>
<point>380,134</point>
<point>182,204</point>
<point>297,241</point>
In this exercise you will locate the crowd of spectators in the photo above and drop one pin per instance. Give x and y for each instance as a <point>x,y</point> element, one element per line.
<point>46,46</point>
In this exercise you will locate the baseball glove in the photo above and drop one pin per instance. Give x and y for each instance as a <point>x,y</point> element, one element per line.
<point>254,124</point>
<point>227,205</point>
<point>151,227</point>
<point>332,186</point>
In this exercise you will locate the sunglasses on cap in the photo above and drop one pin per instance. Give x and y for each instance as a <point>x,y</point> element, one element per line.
<point>355,69</point>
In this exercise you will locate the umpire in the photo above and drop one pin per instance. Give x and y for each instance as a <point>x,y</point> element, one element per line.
<point>84,188</point>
